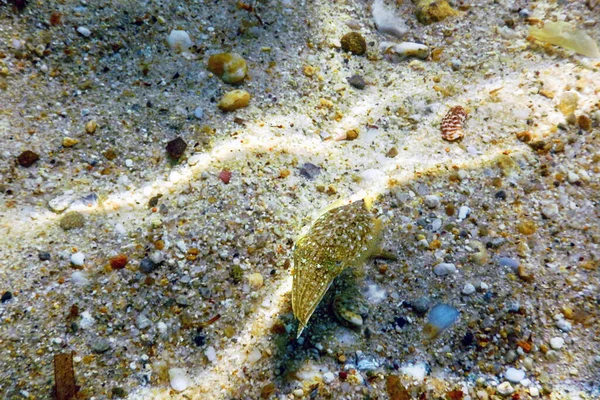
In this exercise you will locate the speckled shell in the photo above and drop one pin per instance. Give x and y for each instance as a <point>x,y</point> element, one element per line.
<point>452,124</point>
<point>340,238</point>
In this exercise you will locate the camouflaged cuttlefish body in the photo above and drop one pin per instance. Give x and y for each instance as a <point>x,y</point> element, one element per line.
<point>341,237</point>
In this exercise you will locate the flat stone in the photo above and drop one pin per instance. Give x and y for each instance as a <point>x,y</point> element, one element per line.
<point>27,158</point>
<point>357,81</point>
<point>72,220</point>
<point>101,346</point>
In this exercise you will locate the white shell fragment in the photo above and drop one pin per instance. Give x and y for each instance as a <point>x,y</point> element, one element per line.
<point>405,50</point>
<point>178,379</point>
<point>387,21</point>
<point>179,41</point>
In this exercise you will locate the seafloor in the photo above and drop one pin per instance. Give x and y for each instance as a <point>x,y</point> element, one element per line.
<point>140,263</point>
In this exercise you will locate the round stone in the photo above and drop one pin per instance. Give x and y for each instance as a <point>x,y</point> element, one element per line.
<point>557,343</point>
<point>432,201</point>
<point>230,67</point>
<point>72,220</point>
<point>444,269</point>
<point>78,259</point>
<point>514,375</point>
<point>354,43</point>
<point>234,100</point>
<point>178,379</point>
<point>468,289</point>
<point>179,41</point>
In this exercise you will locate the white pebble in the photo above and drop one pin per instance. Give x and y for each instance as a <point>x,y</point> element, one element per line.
<point>387,21</point>
<point>432,201</point>
<point>178,379</point>
<point>416,371</point>
<point>78,258</point>
<point>557,343</point>
<point>534,392</point>
<point>84,31</point>
<point>79,278</point>
<point>572,177</point>
<point>181,246</point>
<point>550,211</point>
<point>514,375</point>
<point>129,163</point>
<point>563,325</point>
<point>120,229</point>
<point>199,113</point>
<point>468,289</point>
<point>484,286</point>
<point>210,354</point>
<point>444,269</point>
<point>179,41</point>
<point>254,356</point>
<point>328,377</point>
<point>505,389</point>
<point>463,212</point>
<point>87,321</point>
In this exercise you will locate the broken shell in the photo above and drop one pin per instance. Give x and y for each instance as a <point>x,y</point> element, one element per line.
<point>341,237</point>
<point>452,124</point>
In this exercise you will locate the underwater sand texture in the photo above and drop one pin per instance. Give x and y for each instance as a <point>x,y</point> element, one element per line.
<point>513,205</point>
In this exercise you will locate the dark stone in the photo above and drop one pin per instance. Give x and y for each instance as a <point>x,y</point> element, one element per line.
<point>500,195</point>
<point>357,81</point>
<point>72,220</point>
<point>153,202</point>
<point>468,339</point>
<point>147,265</point>
<point>27,158</point>
<point>44,256</point>
<point>6,296</point>
<point>400,321</point>
<point>420,305</point>
<point>199,340</point>
<point>176,147</point>
<point>118,393</point>
<point>309,171</point>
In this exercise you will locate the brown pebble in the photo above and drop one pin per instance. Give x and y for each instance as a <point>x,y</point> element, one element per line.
<point>118,262</point>
<point>351,134</point>
<point>176,147</point>
<point>354,43</point>
<point>584,122</point>
<point>524,136</point>
<point>110,154</point>
<point>393,152</point>
<point>27,158</point>
<point>526,228</point>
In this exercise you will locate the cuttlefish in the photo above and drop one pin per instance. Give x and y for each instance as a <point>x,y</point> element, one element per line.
<point>344,235</point>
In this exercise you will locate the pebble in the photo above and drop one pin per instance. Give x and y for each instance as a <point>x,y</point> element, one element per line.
<point>429,11</point>
<point>176,147</point>
<point>405,50</point>
<point>255,280</point>
<point>6,296</point>
<point>432,201</point>
<point>198,113</point>
<point>455,64</point>
<point>509,262</point>
<point>328,377</point>
<point>563,325</point>
<point>550,210</point>
<point>147,265</point>
<point>119,261</point>
<point>179,41</point>
<point>468,289</point>
<point>552,355</point>
<point>69,141</point>
<point>44,256</point>
<point>463,212</point>
<point>79,278</point>
<point>357,81</point>
<point>143,322</point>
<point>534,392</point>
<point>83,31</point>
<point>505,389</point>
<point>514,375</point>
<point>440,318</point>
<point>91,126</point>
<point>78,258</point>
<point>557,343</point>
<point>572,177</point>
<point>234,100</point>
<point>178,379</point>
<point>101,346</point>
<point>309,170</point>
<point>387,21</point>
<point>27,158</point>
<point>420,305</point>
<point>230,67</point>
<point>444,269</point>
<point>72,220</point>
<point>355,43</point>
<point>60,203</point>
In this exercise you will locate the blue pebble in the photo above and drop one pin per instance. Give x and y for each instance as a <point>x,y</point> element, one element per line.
<point>440,318</point>
<point>509,262</point>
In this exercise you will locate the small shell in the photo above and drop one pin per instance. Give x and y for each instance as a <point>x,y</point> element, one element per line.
<point>452,124</point>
